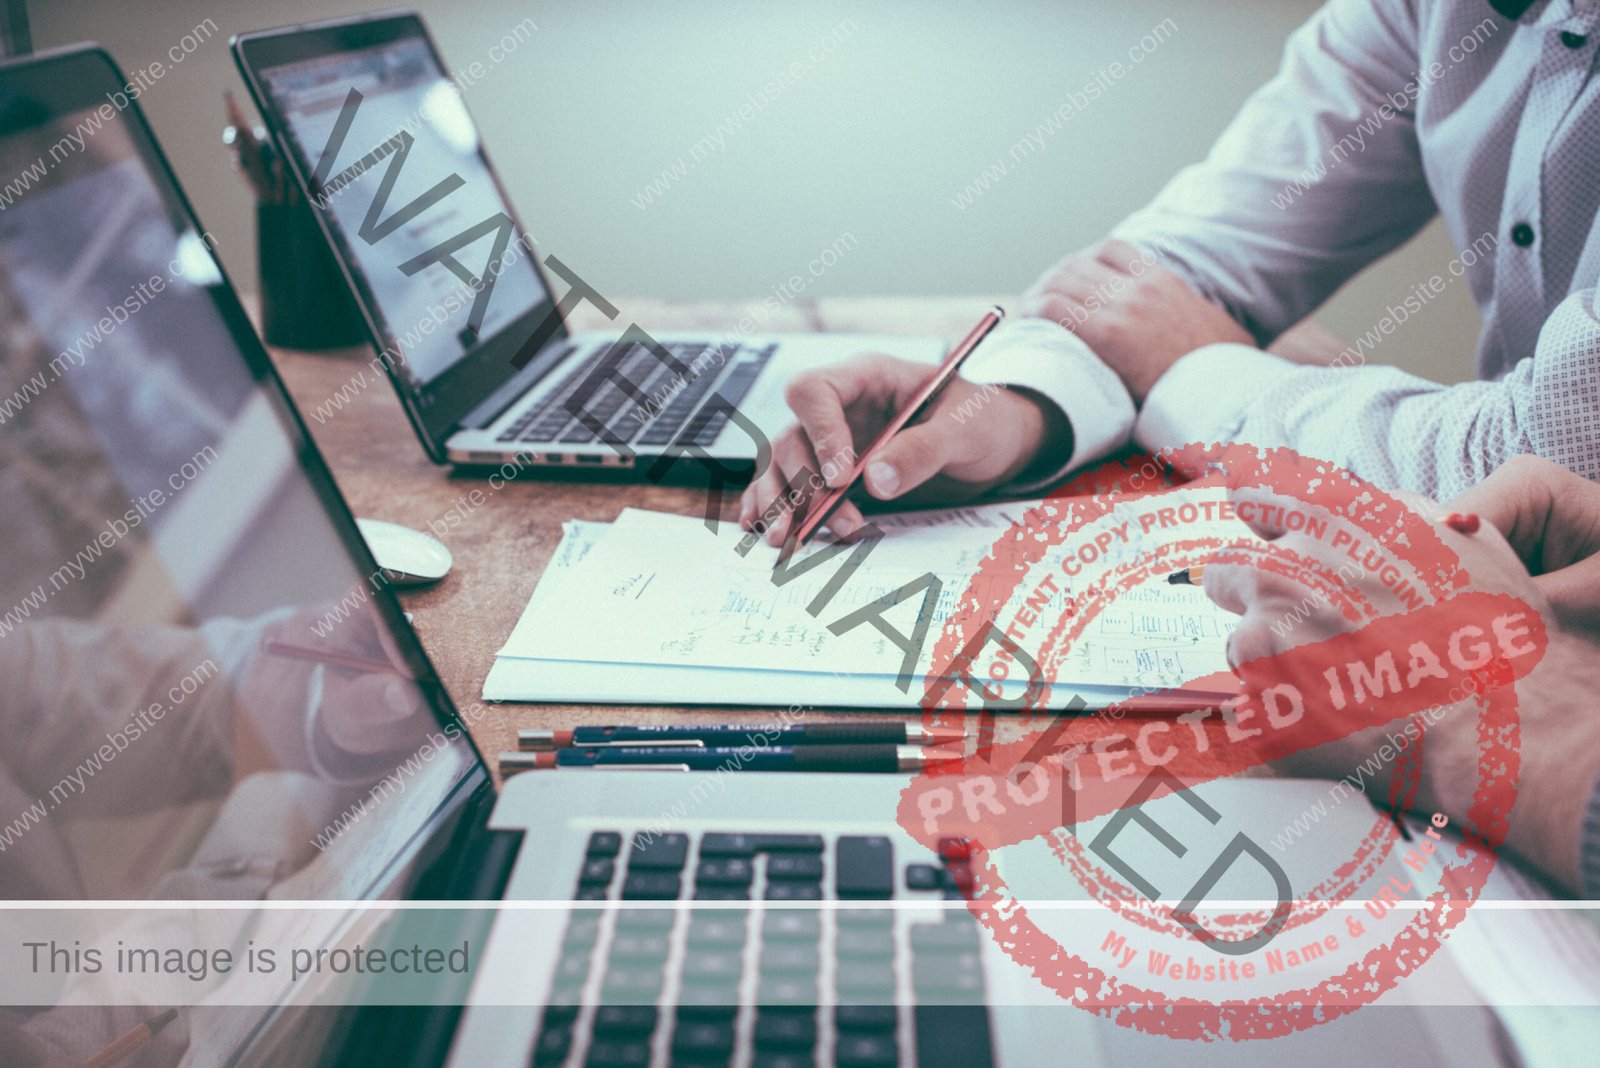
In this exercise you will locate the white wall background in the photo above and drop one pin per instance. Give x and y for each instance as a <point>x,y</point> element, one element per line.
<point>911,105</point>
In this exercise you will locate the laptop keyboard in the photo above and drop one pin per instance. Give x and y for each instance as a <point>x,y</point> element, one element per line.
<point>771,984</point>
<point>675,411</point>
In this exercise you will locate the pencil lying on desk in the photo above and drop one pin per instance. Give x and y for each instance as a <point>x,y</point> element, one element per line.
<point>879,732</point>
<point>861,758</point>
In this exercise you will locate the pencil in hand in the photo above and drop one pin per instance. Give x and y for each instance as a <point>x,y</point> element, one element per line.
<point>1189,576</point>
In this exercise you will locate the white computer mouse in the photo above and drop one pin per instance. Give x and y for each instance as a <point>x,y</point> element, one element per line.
<point>408,557</point>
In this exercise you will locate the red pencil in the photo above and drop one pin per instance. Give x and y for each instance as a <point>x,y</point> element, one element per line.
<point>818,513</point>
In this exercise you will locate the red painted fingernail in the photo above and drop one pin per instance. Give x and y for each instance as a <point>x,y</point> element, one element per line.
<point>1462,522</point>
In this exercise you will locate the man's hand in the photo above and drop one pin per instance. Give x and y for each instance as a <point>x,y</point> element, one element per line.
<point>1559,734</point>
<point>1138,317</point>
<point>972,439</point>
<point>1551,517</point>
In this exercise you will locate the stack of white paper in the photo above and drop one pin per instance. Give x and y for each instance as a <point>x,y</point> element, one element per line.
<point>658,609</point>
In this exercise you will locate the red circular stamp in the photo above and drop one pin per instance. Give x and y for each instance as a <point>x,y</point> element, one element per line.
<point>1124,856</point>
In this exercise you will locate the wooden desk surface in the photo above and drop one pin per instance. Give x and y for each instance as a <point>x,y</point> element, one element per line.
<point>506,537</point>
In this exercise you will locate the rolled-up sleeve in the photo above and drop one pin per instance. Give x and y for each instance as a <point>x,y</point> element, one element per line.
<point>1318,175</point>
<point>1393,428</point>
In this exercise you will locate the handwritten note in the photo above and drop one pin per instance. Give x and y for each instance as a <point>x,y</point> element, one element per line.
<point>661,592</point>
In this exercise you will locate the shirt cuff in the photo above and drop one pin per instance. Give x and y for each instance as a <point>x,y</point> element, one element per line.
<point>1202,398</point>
<point>1045,357</point>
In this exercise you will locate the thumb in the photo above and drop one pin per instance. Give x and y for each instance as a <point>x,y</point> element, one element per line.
<point>1574,593</point>
<point>910,458</point>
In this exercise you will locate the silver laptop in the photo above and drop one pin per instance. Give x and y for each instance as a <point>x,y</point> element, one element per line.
<point>458,301</point>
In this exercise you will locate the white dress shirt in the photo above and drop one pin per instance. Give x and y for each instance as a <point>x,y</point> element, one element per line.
<point>1384,112</point>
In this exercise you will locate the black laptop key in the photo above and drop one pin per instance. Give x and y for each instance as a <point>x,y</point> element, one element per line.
<point>867,943</point>
<point>664,852</point>
<point>623,430</point>
<point>590,893</point>
<point>552,1045</point>
<point>786,992</point>
<point>951,936</point>
<point>738,383</point>
<point>945,970</point>
<point>613,1021</point>
<point>613,1054</point>
<point>719,929</point>
<point>790,958</point>
<point>627,983</point>
<point>855,918</point>
<point>711,1004</point>
<point>578,435</point>
<point>641,946</point>
<point>788,843</point>
<point>783,1059</point>
<point>866,1050</point>
<point>866,1017</point>
<point>677,413</point>
<point>795,867</point>
<point>863,867</point>
<point>604,844</point>
<point>572,968</point>
<point>718,844</point>
<point>706,434</point>
<point>658,434</point>
<point>867,982</point>
<point>953,1036</point>
<point>794,892</point>
<point>786,1031</point>
<point>583,930</point>
<point>636,920</point>
<point>923,877</point>
<point>791,925</point>
<point>720,871</point>
<point>694,1040</point>
<point>702,966</point>
<point>651,886</point>
<point>722,893</point>
<point>596,871</point>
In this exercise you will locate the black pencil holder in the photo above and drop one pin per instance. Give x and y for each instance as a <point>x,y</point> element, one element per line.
<point>305,300</point>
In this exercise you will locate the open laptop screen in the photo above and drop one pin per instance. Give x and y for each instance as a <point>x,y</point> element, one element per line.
<point>396,165</point>
<point>207,693</point>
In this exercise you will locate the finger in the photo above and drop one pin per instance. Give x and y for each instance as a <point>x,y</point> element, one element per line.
<point>1088,284</point>
<point>747,504</point>
<point>764,493</point>
<point>819,400</point>
<point>1574,593</point>
<point>795,462</point>
<point>1550,515</point>
<point>1232,587</point>
<point>1518,503</point>
<point>1261,510</point>
<point>1120,256</point>
<point>847,520</point>
<point>910,458</point>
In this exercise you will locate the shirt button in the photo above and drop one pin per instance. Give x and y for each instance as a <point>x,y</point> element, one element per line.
<point>1573,40</point>
<point>1522,235</point>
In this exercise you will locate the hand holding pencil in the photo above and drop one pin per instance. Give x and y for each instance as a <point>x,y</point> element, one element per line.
<point>968,440</point>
